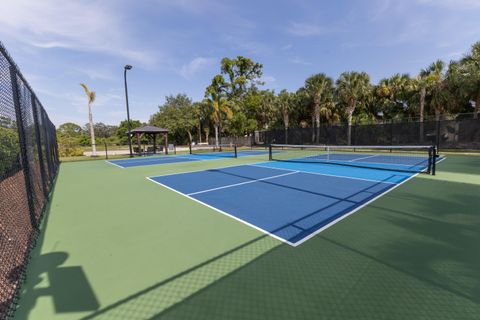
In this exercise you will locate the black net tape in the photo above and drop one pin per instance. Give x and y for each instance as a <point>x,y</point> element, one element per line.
<point>28,166</point>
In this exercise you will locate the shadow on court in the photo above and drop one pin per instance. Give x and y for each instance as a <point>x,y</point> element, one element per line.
<point>398,259</point>
<point>411,254</point>
<point>68,286</point>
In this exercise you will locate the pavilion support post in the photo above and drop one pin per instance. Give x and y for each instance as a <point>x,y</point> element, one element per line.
<point>138,143</point>
<point>166,143</point>
<point>154,144</point>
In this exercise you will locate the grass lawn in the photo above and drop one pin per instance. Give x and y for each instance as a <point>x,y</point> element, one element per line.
<point>117,246</point>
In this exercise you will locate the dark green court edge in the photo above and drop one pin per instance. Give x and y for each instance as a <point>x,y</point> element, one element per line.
<point>116,246</point>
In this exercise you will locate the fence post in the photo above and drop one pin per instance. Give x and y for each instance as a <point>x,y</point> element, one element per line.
<point>39,145</point>
<point>23,146</point>
<point>48,150</point>
<point>270,157</point>
<point>437,137</point>
<point>391,132</point>
<point>354,134</point>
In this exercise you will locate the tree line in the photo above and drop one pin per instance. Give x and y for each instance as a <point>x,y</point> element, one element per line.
<point>235,104</point>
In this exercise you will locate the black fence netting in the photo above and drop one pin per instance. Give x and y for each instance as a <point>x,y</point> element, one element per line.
<point>445,134</point>
<point>239,141</point>
<point>28,166</point>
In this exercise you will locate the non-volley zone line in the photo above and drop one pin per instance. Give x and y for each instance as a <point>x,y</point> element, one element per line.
<point>290,205</point>
<point>149,161</point>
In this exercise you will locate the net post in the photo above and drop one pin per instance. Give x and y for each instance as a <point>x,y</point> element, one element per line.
<point>434,159</point>
<point>430,157</point>
<point>270,152</point>
<point>106,150</point>
<point>190,148</point>
<point>235,150</point>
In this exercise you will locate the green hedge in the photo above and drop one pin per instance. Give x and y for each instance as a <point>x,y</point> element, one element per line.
<point>9,150</point>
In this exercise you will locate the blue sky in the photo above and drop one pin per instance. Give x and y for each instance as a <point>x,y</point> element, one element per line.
<point>176,46</point>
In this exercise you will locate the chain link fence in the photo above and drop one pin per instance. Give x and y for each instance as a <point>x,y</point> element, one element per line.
<point>28,167</point>
<point>445,134</point>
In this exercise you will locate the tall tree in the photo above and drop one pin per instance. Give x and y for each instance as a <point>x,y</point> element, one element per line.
<point>90,98</point>
<point>284,106</point>
<point>436,77</point>
<point>352,87</point>
<point>392,95</point>
<point>178,115</point>
<point>266,108</point>
<point>70,129</point>
<point>202,114</point>
<point>122,130</point>
<point>215,94</point>
<point>242,73</point>
<point>469,70</point>
<point>319,88</point>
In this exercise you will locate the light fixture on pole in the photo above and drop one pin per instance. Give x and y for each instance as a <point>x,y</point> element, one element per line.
<point>128,67</point>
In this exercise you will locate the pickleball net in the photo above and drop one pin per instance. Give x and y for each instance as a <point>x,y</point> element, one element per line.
<point>415,159</point>
<point>221,150</point>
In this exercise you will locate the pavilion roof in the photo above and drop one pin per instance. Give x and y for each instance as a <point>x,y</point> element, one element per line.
<point>149,129</point>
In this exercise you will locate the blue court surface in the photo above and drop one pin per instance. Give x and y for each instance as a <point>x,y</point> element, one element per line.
<point>156,160</point>
<point>290,201</point>
<point>378,161</point>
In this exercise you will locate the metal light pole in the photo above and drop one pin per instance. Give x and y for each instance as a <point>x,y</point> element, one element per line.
<point>128,67</point>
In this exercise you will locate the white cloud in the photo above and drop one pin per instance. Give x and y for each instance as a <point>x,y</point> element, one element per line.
<point>96,73</point>
<point>454,55</point>
<point>193,67</point>
<point>268,79</point>
<point>453,4</point>
<point>76,25</point>
<point>306,29</point>
<point>297,60</point>
<point>287,47</point>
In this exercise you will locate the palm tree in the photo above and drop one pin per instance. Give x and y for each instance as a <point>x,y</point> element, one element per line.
<point>420,84</point>
<point>284,103</point>
<point>469,69</point>
<point>437,86</point>
<point>392,94</point>
<point>352,87</point>
<point>319,88</point>
<point>429,82</point>
<point>215,94</point>
<point>91,98</point>
<point>329,111</point>
<point>267,107</point>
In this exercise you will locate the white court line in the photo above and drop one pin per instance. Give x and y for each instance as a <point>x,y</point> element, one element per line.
<point>363,158</point>
<point>108,161</point>
<point>322,174</point>
<point>199,170</point>
<point>396,185</point>
<point>293,244</point>
<point>328,225</point>
<point>150,162</point>
<point>242,183</point>
<point>162,158</point>
<point>224,213</point>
